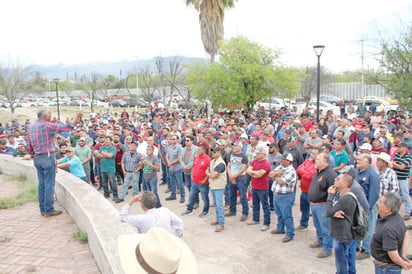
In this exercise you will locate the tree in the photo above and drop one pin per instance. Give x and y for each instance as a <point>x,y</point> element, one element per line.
<point>245,73</point>
<point>395,71</point>
<point>310,82</point>
<point>211,16</point>
<point>12,77</point>
<point>149,83</point>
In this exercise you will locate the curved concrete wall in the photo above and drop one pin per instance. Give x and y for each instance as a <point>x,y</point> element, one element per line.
<point>92,213</point>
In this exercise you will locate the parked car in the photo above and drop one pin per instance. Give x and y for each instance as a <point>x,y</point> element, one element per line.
<point>77,103</point>
<point>136,102</point>
<point>102,104</point>
<point>270,103</point>
<point>324,106</point>
<point>331,99</point>
<point>4,104</point>
<point>118,103</point>
<point>25,103</point>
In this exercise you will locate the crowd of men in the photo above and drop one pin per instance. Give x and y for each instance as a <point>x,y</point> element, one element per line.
<point>361,158</point>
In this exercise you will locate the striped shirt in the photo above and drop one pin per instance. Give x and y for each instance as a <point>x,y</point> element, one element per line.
<point>389,182</point>
<point>131,161</point>
<point>405,160</point>
<point>41,136</point>
<point>289,177</point>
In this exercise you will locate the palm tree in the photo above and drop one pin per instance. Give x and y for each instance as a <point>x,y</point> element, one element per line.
<point>211,15</point>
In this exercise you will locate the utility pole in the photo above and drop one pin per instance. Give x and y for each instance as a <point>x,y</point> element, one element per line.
<point>362,74</point>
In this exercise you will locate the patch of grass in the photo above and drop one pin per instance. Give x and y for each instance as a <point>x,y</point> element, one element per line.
<point>5,238</point>
<point>30,268</point>
<point>81,236</point>
<point>27,195</point>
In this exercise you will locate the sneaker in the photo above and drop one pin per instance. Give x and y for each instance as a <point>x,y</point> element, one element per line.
<point>322,255</point>
<point>187,212</point>
<point>243,218</point>
<point>251,222</point>
<point>277,232</point>
<point>229,214</point>
<point>406,217</point>
<point>363,255</point>
<point>167,190</point>
<point>182,200</point>
<point>195,206</point>
<point>115,199</point>
<point>203,214</point>
<point>264,228</point>
<point>315,245</point>
<point>409,227</point>
<point>301,227</point>
<point>286,239</point>
<point>106,195</point>
<point>219,228</point>
<point>119,201</point>
<point>170,198</point>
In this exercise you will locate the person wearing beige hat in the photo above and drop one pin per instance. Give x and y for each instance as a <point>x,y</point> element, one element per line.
<point>156,251</point>
<point>388,178</point>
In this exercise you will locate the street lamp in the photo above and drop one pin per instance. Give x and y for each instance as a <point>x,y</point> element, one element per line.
<point>318,50</point>
<point>56,80</point>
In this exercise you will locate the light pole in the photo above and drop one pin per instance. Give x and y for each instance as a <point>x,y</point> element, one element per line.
<point>56,80</point>
<point>318,50</point>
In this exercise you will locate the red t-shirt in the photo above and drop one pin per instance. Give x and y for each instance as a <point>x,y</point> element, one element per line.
<point>200,165</point>
<point>261,183</point>
<point>97,147</point>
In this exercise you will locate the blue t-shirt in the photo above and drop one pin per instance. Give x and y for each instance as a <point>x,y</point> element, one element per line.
<point>75,167</point>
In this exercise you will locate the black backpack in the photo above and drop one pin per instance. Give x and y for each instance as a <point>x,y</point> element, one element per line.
<point>360,221</point>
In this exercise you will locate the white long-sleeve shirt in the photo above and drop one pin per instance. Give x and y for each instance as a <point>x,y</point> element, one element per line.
<point>154,217</point>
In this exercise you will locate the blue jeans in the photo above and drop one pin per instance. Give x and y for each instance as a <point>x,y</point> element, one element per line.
<point>194,192</point>
<point>133,178</point>
<point>241,186</point>
<point>393,269</point>
<point>227,191</point>
<point>189,183</point>
<point>151,185</point>
<point>372,218</point>
<point>305,209</point>
<point>46,174</point>
<point>321,223</point>
<point>176,180</point>
<point>261,197</point>
<point>109,176</point>
<point>217,195</point>
<point>270,194</point>
<point>345,256</point>
<point>165,175</point>
<point>404,193</point>
<point>283,208</point>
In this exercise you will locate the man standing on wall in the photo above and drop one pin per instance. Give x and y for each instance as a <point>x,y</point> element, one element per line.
<point>40,145</point>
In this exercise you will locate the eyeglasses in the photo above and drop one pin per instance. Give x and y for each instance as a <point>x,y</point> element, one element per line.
<point>187,140</point>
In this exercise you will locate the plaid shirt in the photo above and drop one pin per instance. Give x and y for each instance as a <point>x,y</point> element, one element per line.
<point>251,153</point>
<point>289,177</point>
<point>41,136</point>
<point>389,182</point>
<point>131,160</point>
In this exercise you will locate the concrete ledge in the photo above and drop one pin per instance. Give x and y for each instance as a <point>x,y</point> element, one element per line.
<point>92,213</point>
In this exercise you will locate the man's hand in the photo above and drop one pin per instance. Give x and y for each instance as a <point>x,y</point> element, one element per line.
<point>332,189</point>
<point>135,199</point>
<point>340,214</point>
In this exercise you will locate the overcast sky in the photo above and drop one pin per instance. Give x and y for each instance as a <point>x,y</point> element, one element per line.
<point>80,31</point>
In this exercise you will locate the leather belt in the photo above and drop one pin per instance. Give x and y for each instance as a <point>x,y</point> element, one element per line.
<point>382,264</point>
<point>322,203</point>
<point>280,193</point>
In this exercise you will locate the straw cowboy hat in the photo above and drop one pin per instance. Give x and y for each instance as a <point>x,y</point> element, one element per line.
<point>156,251</point>
<point>385,157</point>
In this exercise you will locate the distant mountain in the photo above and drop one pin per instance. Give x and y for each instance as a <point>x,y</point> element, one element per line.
<point>119,69</point>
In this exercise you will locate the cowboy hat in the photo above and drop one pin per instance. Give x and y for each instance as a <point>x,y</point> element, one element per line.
<point>385,157</point>
<point>156,251</point>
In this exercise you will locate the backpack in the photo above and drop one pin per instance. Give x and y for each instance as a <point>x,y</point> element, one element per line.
<point>359,226</point>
